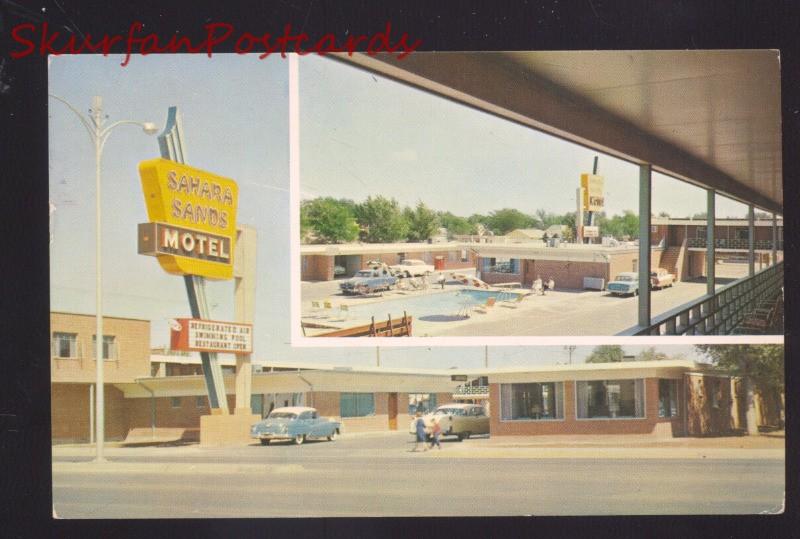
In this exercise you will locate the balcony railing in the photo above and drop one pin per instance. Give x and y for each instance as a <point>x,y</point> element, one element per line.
<point>733,243</point>
<point>468,391</point>
<point>718,313</point>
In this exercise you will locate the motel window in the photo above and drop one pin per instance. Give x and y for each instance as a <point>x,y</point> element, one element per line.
<point>109,347</point>
<point>700,232</point>
<point>65,345</point>
<point>356,404</point>
<point>421,402</point>
<point>534,401</point>
<point>504,265</point>
<point>401,257</point>
<point>667,398</point>
<point>464,257</point>
<point>199,402</point>
<point>452,256</point>
<point>742,234</point>
<point>714,392</point>
<point>610,399</point>
<point>653,228</point>
<point>175,402</point>
<point>304,262</point>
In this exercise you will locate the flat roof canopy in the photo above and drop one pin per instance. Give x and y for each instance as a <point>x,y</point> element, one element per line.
<point>709,117</point>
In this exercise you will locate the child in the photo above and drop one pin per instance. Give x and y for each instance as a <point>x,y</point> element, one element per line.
<point>436,431</point>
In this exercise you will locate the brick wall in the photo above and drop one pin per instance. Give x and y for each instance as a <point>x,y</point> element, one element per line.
<point>132,340</point>
<point>571,425</point>
<point>327,404</point>
<point>70,413</point>
<point>316,268</point>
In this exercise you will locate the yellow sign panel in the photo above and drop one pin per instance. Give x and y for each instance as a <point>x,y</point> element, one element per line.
<point>194,200</point>
<point>592,192</point>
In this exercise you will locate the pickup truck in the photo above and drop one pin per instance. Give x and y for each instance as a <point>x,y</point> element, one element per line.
<point>410,267</point>
<point>369,281</point>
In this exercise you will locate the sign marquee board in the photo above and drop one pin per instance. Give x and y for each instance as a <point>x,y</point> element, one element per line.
<point>196,335</point>
<point>591,231</point>
<point>592,192</point>
<point>193,219</point>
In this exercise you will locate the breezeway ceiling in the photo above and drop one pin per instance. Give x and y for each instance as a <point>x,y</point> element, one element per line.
<point>711,117</point>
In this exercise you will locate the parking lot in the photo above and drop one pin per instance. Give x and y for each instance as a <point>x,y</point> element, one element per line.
<point>376,474</point>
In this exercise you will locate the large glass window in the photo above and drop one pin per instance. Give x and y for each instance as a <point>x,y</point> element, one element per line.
<point>667,398</point>
<point>532,401</point>
<point>421,402</point>
<point>109,347</point>
<point>613,399</point>
<point>65,345</point>
<point>356,404</point>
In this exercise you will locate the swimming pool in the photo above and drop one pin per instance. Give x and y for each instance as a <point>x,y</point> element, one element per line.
<point>443,306</point>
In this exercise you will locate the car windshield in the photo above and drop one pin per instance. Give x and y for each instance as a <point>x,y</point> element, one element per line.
<point>364,273</point>
<point>282,415</point>
<point>450,411</point>
<point>627,278</point>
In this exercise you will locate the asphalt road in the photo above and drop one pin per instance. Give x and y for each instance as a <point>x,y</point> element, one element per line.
<point>377,475</point>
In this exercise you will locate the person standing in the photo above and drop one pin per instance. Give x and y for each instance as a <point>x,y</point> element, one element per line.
<point>436,431</point>
<point>442,280</point>
<point>420,430</point>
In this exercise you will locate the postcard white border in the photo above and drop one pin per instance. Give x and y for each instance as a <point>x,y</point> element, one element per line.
<point>298,340</point>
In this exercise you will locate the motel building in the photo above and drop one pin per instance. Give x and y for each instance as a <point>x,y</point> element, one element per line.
<point>158,395</point>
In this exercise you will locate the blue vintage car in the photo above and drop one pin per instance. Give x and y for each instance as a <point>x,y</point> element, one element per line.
<point>626,283</point>
<point>369,281</point>
<point>295,423</point>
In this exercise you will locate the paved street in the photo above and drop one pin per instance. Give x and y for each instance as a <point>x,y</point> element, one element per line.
<point>375,474</point>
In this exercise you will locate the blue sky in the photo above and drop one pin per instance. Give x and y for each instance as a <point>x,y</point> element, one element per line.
<point>359,135</point>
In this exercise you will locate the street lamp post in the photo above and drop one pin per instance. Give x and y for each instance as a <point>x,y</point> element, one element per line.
<point>98,133</point>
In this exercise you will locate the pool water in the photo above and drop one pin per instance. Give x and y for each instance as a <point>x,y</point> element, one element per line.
<point>439,306</point>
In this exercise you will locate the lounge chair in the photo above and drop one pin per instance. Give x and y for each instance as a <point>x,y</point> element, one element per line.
<point>316,308</point>
<point>486,306</point>
<point>344,310</point>
<point>513,303</point>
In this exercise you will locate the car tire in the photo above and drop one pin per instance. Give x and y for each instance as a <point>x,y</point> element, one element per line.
<point>333,435</point>
<point>299,439</point>
<point>264,441</point>
<point>467,435</point>
<point>460,436</point>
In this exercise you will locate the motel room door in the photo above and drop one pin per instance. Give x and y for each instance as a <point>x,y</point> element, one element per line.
<point>392,411</point>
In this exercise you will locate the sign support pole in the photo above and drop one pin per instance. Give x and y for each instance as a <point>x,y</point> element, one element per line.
<point>171,144</point>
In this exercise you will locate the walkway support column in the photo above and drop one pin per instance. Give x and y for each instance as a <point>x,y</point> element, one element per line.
<point>774,238</point>
<point>645,182</point>
<point>751,241</point>
<point>711,218</point>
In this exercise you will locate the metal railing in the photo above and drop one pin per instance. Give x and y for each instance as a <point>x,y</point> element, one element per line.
<point>719,313</point>
<point>734,243</point>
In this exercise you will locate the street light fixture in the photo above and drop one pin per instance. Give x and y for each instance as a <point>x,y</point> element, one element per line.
<point>98,132</point>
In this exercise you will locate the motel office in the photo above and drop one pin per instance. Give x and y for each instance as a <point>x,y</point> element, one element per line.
<point>147,390</point>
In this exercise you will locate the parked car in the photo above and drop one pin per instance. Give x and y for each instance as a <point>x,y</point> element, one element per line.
<point>410,267</point>
<point>295,423</point>
<point>459,420</point>
<point>369,281</point>
<point>626,283</point>
<point>661,278</point>
<point>339,270</point>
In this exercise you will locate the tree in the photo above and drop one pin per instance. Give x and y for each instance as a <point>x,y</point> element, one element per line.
<point>606,353</point>
<point>759,366</point>
<point>328,220</point>
<point>381,219</point>
<point>504,221</point>
<point>422,222</point>
<point>454,224</point>
<point>650,354</point>
<point>620,226</point>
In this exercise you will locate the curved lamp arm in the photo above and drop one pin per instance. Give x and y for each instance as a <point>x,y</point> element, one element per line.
<point>80,116</point>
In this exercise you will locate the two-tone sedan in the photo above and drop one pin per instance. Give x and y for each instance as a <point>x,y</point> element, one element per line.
<point>626,283</point>
<point>661,278</point>
<point>295,423</point>
<point>456,419</point>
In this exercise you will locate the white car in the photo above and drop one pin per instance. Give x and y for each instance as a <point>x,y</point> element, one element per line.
<point>410,267</point>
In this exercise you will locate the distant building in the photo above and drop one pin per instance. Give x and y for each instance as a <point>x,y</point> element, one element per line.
<point>525,234</point>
